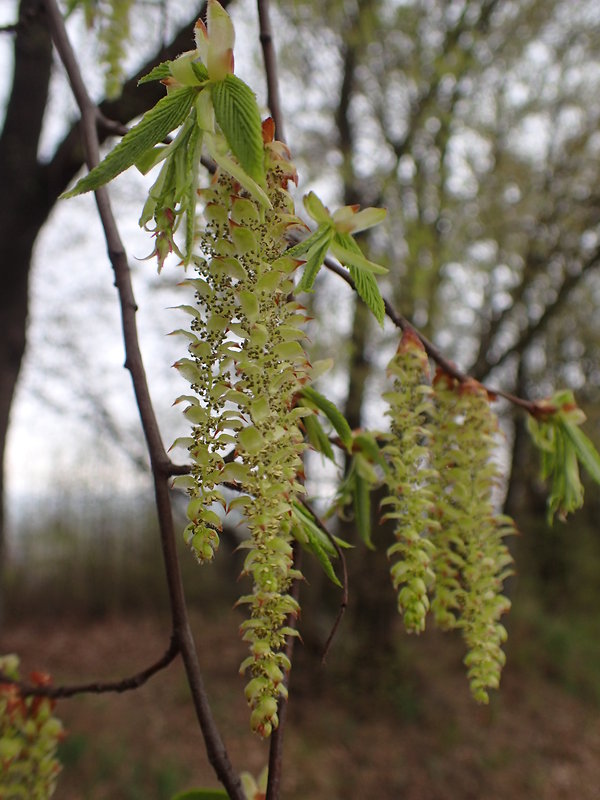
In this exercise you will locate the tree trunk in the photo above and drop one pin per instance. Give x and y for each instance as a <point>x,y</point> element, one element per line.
<point>21,209</point>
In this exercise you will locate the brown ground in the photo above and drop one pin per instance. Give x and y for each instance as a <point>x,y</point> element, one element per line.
<point>421,738</point>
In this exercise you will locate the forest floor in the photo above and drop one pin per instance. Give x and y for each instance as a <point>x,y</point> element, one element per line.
<point>411,731</point>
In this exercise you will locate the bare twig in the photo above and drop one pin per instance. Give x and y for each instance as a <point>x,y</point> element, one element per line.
<point>276,743</point>
<point>26,16</point>
<point>269,57</point>
<point>98,687</point>
<point>533,408</point>
<point>159,460</point>
<point>344,603</point>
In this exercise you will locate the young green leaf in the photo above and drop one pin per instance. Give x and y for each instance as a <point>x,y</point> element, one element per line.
<point>365,283</point>
<point>323,233</point>
<point>238,116</point>
<point>200,70</point>
<point>333,414</point>
<point>151,157</point>
<point>351,257</point>
<point>317,436</point>
<point>368,445</point>
<point>157,73</point>
<point>586,452</point>
<point>368,290</point>
<point>167,114</point>
<point>348,220</point>
<point>311,538</point>
<point>316,209</point>
<point>313,264</point>
<point>235,170</point>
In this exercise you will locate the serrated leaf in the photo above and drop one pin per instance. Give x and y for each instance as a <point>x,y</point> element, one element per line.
<point>343,250</point>
<point>305,517</point>
<point>367,444</point>
<point>312,542</point>
<point>333,414</point>
<point>348,220</point>
<point>368,290</point>
<point>586,452</point>
<point>316,209</point>
<point>314,262</point>
<point>238,116</point>
<point>366,284</point>
<point>235,170</point>
<point>151,157</point>
<point>157,73</point>
<point>317,437</point>
<point>200,70</point>
<point>168,114</point>
<point>315,238</point>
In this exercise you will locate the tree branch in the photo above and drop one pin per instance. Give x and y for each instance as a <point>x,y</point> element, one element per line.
<point>98,687</point>
<point>436,355</point>
<point>534,329</point>
<point>160,463</point>
<point>270,59</point>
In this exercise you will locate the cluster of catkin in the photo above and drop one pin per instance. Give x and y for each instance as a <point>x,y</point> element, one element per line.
<point>246,365</point>
<point>449,556</point>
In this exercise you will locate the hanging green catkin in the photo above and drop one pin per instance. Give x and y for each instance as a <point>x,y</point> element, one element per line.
<point>410,500</point>
<point>471,560</point>
<point>247,364</point>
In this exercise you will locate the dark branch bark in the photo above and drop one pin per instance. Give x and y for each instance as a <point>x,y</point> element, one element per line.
<point>20,213</point>
<point>99,687</point>
<point>160,463</point>
<point>270,60</point>
<point>538,327</point>
<point>436,354</point>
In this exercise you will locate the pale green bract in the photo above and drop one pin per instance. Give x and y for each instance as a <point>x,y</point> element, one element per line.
<point>563,446</point>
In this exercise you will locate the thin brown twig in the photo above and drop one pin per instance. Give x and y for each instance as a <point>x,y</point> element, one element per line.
<point>26,16</point>
<point>270,59</point>
<point>98,687</point>
<point>533,408</point>
<point>344,602</point>
<point>159,460</point>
